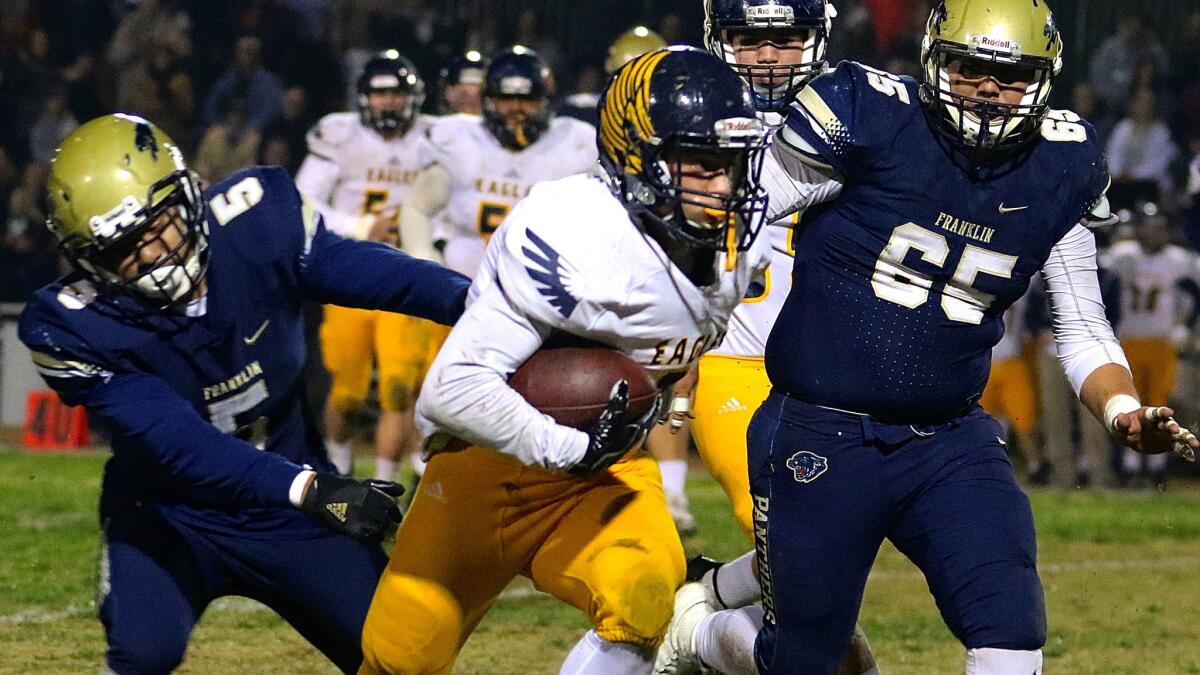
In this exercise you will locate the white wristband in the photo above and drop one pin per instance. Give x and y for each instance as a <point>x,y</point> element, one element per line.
<point>299,485</point>
<point>1121,403</point>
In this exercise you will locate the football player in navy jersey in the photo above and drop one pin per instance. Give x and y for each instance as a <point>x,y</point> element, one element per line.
<point>181,331</point>
<point>955,191</point>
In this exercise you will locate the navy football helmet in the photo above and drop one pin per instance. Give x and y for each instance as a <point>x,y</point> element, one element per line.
<point>773,85</point>
<point>683,100</point>
<point>517,73</point>
<point>466,69</point>
<point>389,71</point>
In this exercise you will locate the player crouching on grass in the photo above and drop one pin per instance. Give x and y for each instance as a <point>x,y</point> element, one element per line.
<point>650,258</point>
<point>181,331</point>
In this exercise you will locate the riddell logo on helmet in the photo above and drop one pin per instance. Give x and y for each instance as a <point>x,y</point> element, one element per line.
<point>999,44</point>
<point>769,14</point>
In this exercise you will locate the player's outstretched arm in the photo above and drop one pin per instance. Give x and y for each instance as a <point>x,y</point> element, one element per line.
<point>369,275</point>
<point>1094,360</point>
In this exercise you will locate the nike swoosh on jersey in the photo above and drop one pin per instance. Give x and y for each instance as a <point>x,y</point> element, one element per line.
<point>257,334</point>
<point>1010,209</point>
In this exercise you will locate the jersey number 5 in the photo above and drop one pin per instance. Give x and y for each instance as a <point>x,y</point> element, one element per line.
<point>895,282</point>
<point>236,200</point>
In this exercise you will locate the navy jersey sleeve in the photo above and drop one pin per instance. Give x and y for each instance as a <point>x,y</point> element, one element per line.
<point>844,114</point>
<point>149,418</point>
<point>273,224</point>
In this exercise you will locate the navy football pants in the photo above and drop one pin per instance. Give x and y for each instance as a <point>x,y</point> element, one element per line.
<point>829,487</point>
<point>157,577</point>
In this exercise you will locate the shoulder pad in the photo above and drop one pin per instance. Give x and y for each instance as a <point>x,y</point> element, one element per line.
<point>330,133</point>
<point>560,271</point>
<point>260,213</point>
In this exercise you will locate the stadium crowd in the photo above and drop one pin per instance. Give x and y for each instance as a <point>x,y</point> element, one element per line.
<point>240,82</point>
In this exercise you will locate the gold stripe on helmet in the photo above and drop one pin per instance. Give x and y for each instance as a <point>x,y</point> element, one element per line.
<point>626,110</point>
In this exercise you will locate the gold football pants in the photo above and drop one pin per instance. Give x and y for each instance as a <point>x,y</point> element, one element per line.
<point>604,544</point>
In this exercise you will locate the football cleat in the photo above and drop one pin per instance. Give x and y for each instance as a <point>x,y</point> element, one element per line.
<point>677,653</point>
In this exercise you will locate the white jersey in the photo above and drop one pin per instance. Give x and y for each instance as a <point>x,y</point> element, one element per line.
<point>352,174</point>
<point>1152,302</point>
<point>487,180</point>
<point>569,259</point>
<point>753,319</point>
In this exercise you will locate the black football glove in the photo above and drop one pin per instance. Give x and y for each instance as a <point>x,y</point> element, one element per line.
<point>362,509</point>
<point>610,438</point>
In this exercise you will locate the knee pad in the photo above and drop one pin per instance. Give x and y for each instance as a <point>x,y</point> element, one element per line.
<point>414,627</point>
<point>633,595</point>
<point>990,661</point>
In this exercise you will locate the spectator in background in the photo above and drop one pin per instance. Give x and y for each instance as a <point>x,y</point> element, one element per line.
<point>1140,152</point>
<point>162,21</point>
<point>28,80</point>
<point>28,258</point>
<point>1114,64</point>
<point>260,90</point>
<point>229,145</point>
<point>53,125</point>
<point>1085,104</point>
<point>157,87</point>
<point>283,142</point>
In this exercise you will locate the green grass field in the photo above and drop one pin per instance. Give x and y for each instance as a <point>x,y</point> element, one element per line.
<point>1120,573</point>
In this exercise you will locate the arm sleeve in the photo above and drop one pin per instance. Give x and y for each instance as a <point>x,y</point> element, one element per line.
<point>370,275</point>
<point>1082,334</point>
<point>466,392</point>
<point>156,423</point>
<point>429,194</point>
<point>795,181</point>
<point>317,178</point>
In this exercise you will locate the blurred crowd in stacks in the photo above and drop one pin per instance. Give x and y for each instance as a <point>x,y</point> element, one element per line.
<point>239,82</point>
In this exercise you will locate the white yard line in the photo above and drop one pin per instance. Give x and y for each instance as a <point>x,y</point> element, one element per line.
<point>240,604</point>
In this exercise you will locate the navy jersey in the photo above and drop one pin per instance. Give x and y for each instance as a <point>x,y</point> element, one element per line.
<point>188,398</point>
<point>900,284</point>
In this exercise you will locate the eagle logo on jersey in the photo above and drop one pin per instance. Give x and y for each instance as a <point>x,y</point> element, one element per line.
<point>807,466</point>
<point>552,274</point>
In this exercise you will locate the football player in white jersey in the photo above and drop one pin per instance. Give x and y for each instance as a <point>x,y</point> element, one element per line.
<point>1153,273</point>
<point>359,169</point>
<point>483,165</point>
<point>649,258</point>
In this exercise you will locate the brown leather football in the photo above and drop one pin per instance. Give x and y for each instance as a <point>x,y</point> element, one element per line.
<point>573,384</point>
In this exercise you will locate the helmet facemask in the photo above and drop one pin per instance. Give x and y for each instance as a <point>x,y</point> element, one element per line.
<point>175,209</point>
<point>516,131</point>
<point>389,121</point>
<point>731,221</point>
<point>985,127</point>
<point>773,86</point>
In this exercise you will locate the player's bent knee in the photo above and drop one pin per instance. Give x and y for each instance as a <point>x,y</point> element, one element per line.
<point>634,596</point>
<point>145,655</point>
<point>414,627</point>
<point>988,661</point>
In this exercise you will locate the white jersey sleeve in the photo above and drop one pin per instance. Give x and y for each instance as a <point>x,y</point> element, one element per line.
<point>320,171</point>
<point>1082,334</point>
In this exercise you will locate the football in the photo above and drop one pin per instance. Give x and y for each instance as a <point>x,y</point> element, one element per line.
<point>573,384</point>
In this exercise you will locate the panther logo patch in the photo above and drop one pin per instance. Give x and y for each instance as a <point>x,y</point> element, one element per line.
<point>807,466</point>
